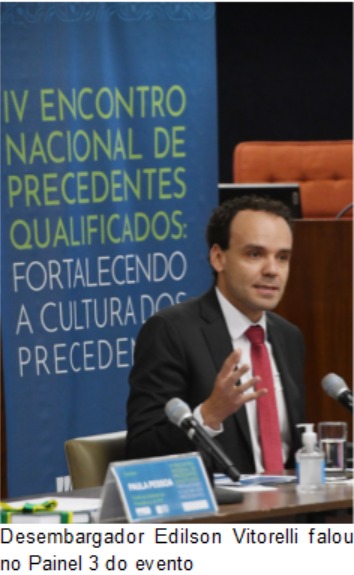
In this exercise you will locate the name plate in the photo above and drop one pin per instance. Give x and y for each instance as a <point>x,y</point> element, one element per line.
<point>157,489</point>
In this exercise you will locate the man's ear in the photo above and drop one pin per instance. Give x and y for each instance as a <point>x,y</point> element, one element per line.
<point>217,258</point>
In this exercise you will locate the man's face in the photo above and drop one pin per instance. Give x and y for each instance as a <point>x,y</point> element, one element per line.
<point>253,271</point>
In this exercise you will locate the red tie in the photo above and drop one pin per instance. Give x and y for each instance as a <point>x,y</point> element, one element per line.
<point>268,421</point>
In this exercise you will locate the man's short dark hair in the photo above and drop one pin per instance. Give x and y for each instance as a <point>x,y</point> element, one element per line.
<point>218,229</point>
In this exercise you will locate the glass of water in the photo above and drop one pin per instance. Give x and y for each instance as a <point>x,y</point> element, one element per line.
<point>332,436</point>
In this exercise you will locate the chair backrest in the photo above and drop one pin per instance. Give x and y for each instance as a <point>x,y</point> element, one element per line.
<point>88,457</point>
<point>324,171</point>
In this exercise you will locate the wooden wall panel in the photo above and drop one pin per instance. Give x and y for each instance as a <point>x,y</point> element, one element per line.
<point>319,300</point>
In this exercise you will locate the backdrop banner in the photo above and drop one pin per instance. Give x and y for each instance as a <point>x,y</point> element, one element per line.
<point>109,174</point>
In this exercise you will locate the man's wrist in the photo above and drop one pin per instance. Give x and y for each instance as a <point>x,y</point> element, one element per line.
<point>209,420</point>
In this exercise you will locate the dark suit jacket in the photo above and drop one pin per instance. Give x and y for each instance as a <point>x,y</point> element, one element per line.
<point>178,353</point>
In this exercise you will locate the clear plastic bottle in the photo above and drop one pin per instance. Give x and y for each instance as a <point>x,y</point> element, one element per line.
<point>310,466</point>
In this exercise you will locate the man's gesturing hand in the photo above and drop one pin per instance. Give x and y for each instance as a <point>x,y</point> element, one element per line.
<point>227,397</point>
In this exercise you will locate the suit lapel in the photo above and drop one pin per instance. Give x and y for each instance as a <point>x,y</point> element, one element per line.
<point>214,329</point>
<point>281,358</point>
<point>219,343</point>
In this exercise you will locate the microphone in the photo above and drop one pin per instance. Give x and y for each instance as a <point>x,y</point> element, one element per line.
<point>336,388</point>
<point>179,413</point>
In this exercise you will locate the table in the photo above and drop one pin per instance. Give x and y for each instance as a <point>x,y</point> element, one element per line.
<point>332,504</point>
<point>284,505</point>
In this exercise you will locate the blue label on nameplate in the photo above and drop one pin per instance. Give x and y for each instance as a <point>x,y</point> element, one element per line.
<point>165,487</point>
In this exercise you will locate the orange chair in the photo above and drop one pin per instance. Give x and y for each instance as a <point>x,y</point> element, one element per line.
<point>324,171</point>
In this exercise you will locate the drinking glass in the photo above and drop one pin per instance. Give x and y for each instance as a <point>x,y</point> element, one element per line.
<point>332,436</point>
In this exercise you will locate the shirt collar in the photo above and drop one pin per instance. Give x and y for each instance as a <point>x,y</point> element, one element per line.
<point>237,323</point>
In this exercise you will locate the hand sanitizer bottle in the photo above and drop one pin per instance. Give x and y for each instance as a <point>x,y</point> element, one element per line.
<point>310,467</point>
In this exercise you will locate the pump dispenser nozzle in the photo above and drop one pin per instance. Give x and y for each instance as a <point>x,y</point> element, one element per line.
<point>309,436</point>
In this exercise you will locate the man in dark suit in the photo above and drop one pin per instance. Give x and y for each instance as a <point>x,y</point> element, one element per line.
<point>197,351</point>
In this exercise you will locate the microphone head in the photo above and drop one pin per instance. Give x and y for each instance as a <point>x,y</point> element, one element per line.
<point>177,410</point>
<point>333,385</point>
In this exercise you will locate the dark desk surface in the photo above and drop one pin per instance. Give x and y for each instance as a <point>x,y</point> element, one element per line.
<point>333,504</point>
<point>285,504</point>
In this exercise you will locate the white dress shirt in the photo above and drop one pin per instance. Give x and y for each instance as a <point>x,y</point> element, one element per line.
<point>237,324</point>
